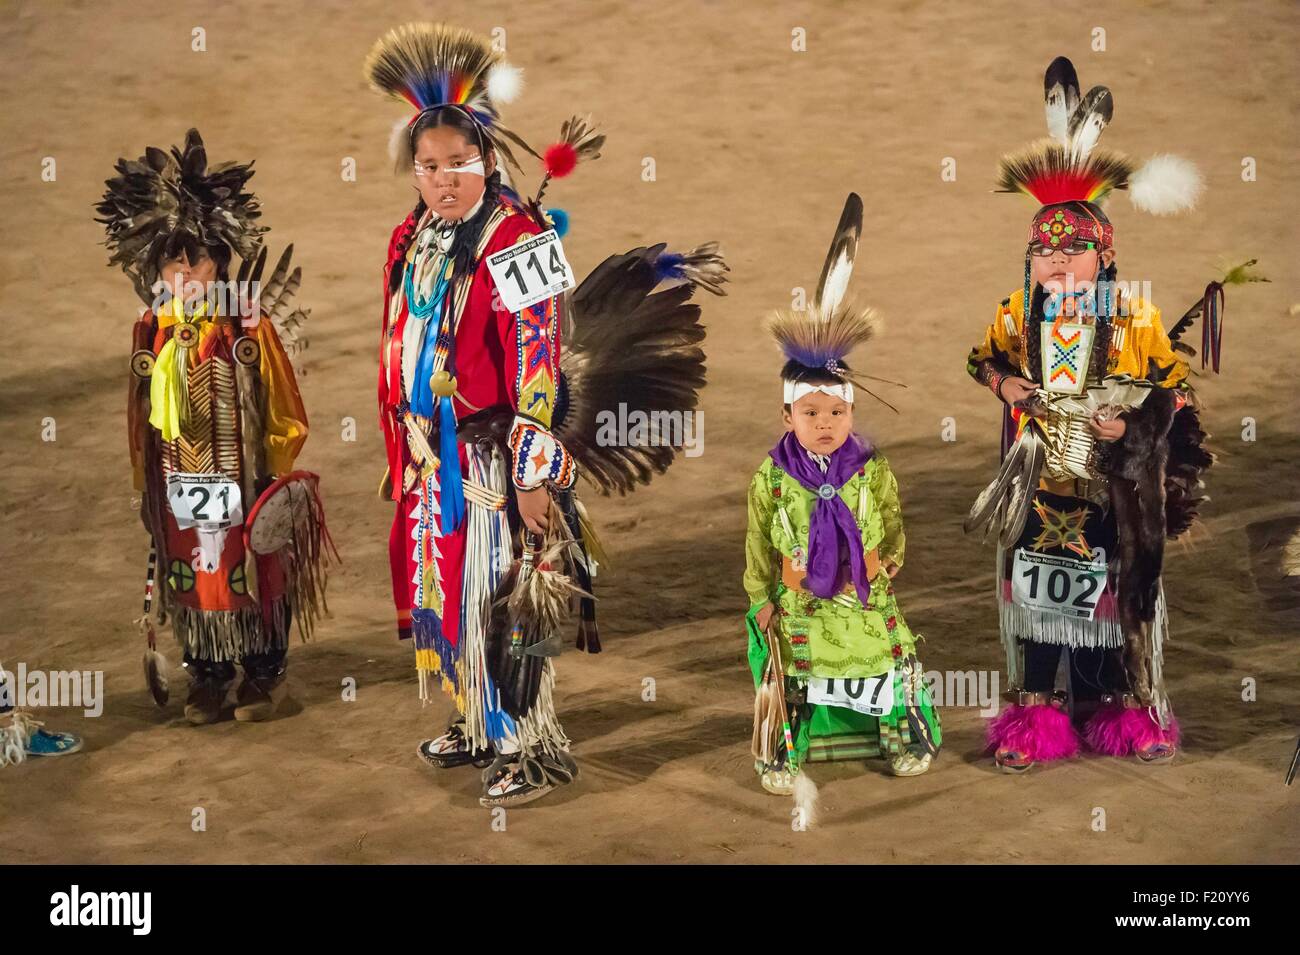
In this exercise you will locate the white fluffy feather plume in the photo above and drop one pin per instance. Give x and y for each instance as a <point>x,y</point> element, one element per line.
<point>504,83</point>
<point>805,799</point>
<point>1165,186</point>
<point>395,137</point>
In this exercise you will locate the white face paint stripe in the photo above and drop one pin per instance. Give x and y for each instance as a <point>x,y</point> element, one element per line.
<point>794,390</point>
<point>474,168</point>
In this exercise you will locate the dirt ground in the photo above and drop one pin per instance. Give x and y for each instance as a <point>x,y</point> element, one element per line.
<point>755,145</point>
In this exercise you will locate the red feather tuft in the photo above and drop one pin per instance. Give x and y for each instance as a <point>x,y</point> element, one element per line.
<point>560,160</point>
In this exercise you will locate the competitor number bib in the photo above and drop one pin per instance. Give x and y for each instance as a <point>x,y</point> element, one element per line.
<point>873,695</point>
<point>1053,583</point>
<point>204,500</point>
<point>530,271</point>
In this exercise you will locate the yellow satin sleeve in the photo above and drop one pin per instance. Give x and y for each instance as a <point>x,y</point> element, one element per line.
<point>286,418</point>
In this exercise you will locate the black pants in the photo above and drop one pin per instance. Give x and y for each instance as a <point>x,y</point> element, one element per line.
<point>259,666</point>
<point>1093,670</point>
<point>267,665</point>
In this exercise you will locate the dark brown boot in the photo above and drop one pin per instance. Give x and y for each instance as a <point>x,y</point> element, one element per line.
<point>204,702</point>
<point>258,697</point>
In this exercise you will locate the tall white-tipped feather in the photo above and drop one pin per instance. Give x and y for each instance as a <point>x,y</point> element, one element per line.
<point>504,83</point>
<point>1060,97</point>
<point>805,799</point>
<point>1166,185</point>
<point>1088,120</point>
<point>1058,114</point>
<point>837,283</point>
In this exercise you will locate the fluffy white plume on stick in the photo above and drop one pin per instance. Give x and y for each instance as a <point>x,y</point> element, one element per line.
<point>805,799</point>
<point>504,83</point>
<point>1166,185</point>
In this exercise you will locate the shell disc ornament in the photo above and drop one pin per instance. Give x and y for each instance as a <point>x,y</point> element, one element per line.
<point>142,363</point>
<point>186,335</point>
<point>247,351</point>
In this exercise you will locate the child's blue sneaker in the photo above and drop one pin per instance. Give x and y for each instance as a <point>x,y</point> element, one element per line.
<point>43,743</point>
<point>24,736</point>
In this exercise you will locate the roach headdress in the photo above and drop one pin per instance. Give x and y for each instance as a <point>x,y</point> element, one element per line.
<point>1069,177</point>
<point>167,202</point>
<point>435,66</point>
<point>816,340</point>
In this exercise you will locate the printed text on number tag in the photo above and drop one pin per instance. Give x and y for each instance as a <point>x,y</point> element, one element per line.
<point>530,271</point>
<point>873,695</point>
<point>1056,584</point>
<point>204,500</point>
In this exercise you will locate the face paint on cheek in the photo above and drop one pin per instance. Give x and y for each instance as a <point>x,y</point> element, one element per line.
<point>474,168</point>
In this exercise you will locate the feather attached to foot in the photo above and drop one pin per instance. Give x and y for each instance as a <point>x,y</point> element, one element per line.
<point>806,799</point>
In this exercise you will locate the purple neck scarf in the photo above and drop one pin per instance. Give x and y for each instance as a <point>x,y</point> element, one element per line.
<point>834,541</point>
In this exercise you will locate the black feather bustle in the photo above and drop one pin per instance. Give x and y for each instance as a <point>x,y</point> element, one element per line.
<point>630,347</point>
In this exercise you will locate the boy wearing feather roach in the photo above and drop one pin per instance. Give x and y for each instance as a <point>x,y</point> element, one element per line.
<point>487,419</point>
<point>1102,453</point>
<point>833,661</point>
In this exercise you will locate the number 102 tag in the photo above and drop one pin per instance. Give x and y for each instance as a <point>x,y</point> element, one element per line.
<point>530,271</point>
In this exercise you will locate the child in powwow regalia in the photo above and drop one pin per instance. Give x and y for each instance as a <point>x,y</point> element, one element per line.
<point>833,661</point>
<point>1102,450</point>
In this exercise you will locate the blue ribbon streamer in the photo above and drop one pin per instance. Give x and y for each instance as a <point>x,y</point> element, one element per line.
<point>451,493</point>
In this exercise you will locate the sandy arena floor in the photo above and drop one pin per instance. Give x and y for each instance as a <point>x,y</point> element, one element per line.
<point>755,145</point>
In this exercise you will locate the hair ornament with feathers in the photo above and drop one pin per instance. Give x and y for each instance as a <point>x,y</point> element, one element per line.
<point>1067,168</point>
<point>816,341</point>
<point>436,66</point>
<point>164,203</point>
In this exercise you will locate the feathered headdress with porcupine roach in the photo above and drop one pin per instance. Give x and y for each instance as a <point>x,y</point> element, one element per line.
<point>432,66</point>
<point>817,340</point>
<point>167,202</point>
<point>437,66</point>
<point>1068,168</point>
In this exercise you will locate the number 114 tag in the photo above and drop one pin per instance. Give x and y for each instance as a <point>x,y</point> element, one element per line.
<point>530,271</point>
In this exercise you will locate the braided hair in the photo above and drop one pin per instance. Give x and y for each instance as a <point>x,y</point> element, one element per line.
<point>465,244</point>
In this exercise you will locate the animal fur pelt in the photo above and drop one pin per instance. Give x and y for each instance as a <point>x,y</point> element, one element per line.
<point>1155,490</point>
<point>1137,468</point>
<point>528,608</point>
<point>1184,472</point>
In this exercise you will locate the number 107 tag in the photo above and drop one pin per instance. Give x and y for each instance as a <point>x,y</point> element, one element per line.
<point>530,271</point>
<point>873,696</point>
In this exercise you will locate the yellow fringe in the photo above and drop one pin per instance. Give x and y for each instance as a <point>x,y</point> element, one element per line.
<point>429,664</point>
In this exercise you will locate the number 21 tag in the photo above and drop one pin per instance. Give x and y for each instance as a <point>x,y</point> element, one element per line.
<point>530,271</point>
<point>204,500</point>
